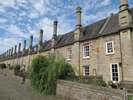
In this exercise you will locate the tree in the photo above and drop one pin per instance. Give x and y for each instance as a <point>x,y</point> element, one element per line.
<point>45,70</point>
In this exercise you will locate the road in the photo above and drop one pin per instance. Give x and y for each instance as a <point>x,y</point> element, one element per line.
<point>12,89</point>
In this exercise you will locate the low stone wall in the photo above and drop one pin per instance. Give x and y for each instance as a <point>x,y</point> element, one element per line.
<point>76,91</point>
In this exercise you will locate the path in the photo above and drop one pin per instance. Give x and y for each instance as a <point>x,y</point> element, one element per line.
<point>12,89</point>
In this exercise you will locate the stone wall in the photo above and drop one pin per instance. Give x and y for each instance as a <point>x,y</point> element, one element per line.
<point>98,60</point>
<point>76,91</point>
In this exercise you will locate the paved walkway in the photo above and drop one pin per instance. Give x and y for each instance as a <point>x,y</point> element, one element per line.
<point>12,89</point>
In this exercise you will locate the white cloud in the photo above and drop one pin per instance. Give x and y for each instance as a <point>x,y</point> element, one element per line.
<point>7,43</point>
<point>105,2</point>
<point>3,20</point>
<point>15,30</point>
<point>47,25</point>
<point>7,2</point>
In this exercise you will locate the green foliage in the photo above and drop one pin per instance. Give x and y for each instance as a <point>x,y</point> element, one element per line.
<point>44,72</point>
<point>130,97</point>
<point>3,66</point>
<point>11,67</point>
<point>16,69</point>
<point>92,80</point>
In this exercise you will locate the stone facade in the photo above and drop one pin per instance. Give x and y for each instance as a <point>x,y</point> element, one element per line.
<point>99,61</point>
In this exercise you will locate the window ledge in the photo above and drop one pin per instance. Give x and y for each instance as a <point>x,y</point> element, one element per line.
<point>86,57</point>
<point>115,82</point>
<point>68,59</point>
<point>110,53</point>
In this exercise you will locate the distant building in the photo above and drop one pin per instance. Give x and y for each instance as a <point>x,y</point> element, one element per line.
<point>104,48</point>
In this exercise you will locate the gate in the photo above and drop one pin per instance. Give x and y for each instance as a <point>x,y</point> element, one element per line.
<point>128,94</point>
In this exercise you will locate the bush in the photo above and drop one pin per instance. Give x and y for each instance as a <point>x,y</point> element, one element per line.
<point>11,67</point>
<point>44,72</point>
<point>92,80</point>
<point>113,85</point>
<point>16,69</point>
<point>3,66</point>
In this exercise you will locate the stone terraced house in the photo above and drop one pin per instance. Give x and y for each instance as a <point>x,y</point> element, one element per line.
<point>103,48</point>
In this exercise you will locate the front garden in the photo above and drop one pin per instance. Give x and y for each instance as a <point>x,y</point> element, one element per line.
<point>46,70</point>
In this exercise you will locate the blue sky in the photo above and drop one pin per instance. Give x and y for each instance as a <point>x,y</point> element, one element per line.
<point>21,18</point>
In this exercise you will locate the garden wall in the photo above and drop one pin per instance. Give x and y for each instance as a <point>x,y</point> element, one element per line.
<point>76,91</point>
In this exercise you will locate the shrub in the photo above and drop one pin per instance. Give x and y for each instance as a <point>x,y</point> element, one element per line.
<point>3,66</point>
<point>16,69</point>
<point>92,80</point>
<point>11,67</point>
<point>113,85</point>
<point>44,72</point>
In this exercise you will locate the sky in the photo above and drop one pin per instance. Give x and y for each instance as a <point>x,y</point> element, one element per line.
<point>21,18</point>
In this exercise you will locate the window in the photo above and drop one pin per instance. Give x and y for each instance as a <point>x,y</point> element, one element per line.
<point>109,47</point>
<point>94,72</point>
<point>114,72</point>
<point>86,51</point>
<point>69,53</point>
<point>86,70</point>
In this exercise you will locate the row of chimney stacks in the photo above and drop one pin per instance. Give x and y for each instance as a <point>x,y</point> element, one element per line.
<point>12,51</point>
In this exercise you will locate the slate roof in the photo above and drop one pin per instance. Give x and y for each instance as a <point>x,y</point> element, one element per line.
<point>111,26</point>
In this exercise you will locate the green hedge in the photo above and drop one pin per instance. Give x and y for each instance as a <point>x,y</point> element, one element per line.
<point>45,70</point>
<point>2,66</point>
<point>16,69</point>
<point>91,80</point>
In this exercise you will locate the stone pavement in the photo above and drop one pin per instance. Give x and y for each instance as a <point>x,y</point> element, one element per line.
<point>12,89</point>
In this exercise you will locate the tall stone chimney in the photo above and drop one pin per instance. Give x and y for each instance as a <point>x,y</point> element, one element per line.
<point>76,47</point>
<point>78,23</point>
<point>78,15</point>
<point>9,54</point>
<point>124,14</point>
<point>40,40</point>
<point>15,49</point>
<point>55,28</point>
<point>12,52</point>
<point>31,43</point>
<point>24,45</point>
<point>126,43</point>
<point>54,38</point>
<point>41,37</point>
<point>19,47</point>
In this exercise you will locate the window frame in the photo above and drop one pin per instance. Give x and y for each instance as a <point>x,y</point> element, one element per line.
<point>118,71</point>
<point>112,42</point>
<point>68,53</point>
<point>85,45</point>
<point>84,71</point>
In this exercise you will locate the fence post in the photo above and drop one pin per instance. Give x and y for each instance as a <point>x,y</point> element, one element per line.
<point>125,93</point>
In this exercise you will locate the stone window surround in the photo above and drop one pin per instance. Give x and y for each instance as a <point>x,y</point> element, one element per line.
<point>118,71</point>
<point>69,53</point>
<point>112,42</point>
<point>84,56</point>
<point>86,72</point>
